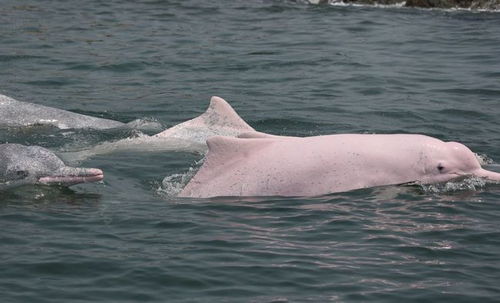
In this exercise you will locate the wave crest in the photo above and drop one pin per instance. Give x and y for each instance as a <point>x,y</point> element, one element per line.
<point>476,5</point>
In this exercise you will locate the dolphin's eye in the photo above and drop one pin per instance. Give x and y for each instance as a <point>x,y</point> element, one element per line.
<point>17,174</point>
<point>440,167</point>
<point>21,173</point>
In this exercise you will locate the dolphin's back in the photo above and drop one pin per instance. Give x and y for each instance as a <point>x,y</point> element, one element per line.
<point>14,113</point>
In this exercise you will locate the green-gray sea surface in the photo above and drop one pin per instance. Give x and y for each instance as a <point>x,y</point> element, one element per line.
<point>287,68</point>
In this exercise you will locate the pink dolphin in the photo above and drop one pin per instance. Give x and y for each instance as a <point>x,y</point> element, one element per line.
<point>257,164</point>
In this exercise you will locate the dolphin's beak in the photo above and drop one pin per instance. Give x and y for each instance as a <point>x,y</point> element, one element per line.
<point>72,175</point>
<point>489,175</point>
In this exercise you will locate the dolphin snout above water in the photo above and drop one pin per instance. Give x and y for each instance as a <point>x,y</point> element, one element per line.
<point>20,165</point>
<point>73,175</point>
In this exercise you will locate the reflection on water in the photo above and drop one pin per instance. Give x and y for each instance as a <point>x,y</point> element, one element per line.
<point>47,197</point>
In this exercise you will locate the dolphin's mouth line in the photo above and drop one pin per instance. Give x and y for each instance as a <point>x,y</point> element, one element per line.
<point>72,179</point>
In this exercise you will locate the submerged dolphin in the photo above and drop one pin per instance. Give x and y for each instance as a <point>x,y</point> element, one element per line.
<point>20,165</point>
<point>220,119</point>
<point>265,165</point>
<point>14,113</point>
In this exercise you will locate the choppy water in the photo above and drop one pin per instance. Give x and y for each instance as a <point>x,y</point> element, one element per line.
<point>287,68</point>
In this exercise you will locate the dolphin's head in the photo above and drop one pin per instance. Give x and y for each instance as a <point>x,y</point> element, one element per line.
<point>21,164</point>
<point>452,160</point>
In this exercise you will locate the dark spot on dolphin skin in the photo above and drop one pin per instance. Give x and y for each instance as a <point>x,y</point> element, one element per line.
<point>13,175</point>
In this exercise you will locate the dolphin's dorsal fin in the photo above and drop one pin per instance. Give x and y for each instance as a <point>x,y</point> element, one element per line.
<point>219,119</point>
<point>220,113</point>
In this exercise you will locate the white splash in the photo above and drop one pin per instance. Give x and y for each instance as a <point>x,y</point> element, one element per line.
<point>467,184</point>
<point>172,185</point>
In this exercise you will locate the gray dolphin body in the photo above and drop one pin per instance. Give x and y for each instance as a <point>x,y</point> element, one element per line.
<point>21,165</point>
<point>17,113</point>
<point>14,113</point>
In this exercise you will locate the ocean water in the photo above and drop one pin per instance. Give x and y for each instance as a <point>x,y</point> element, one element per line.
<point>287,68</point>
